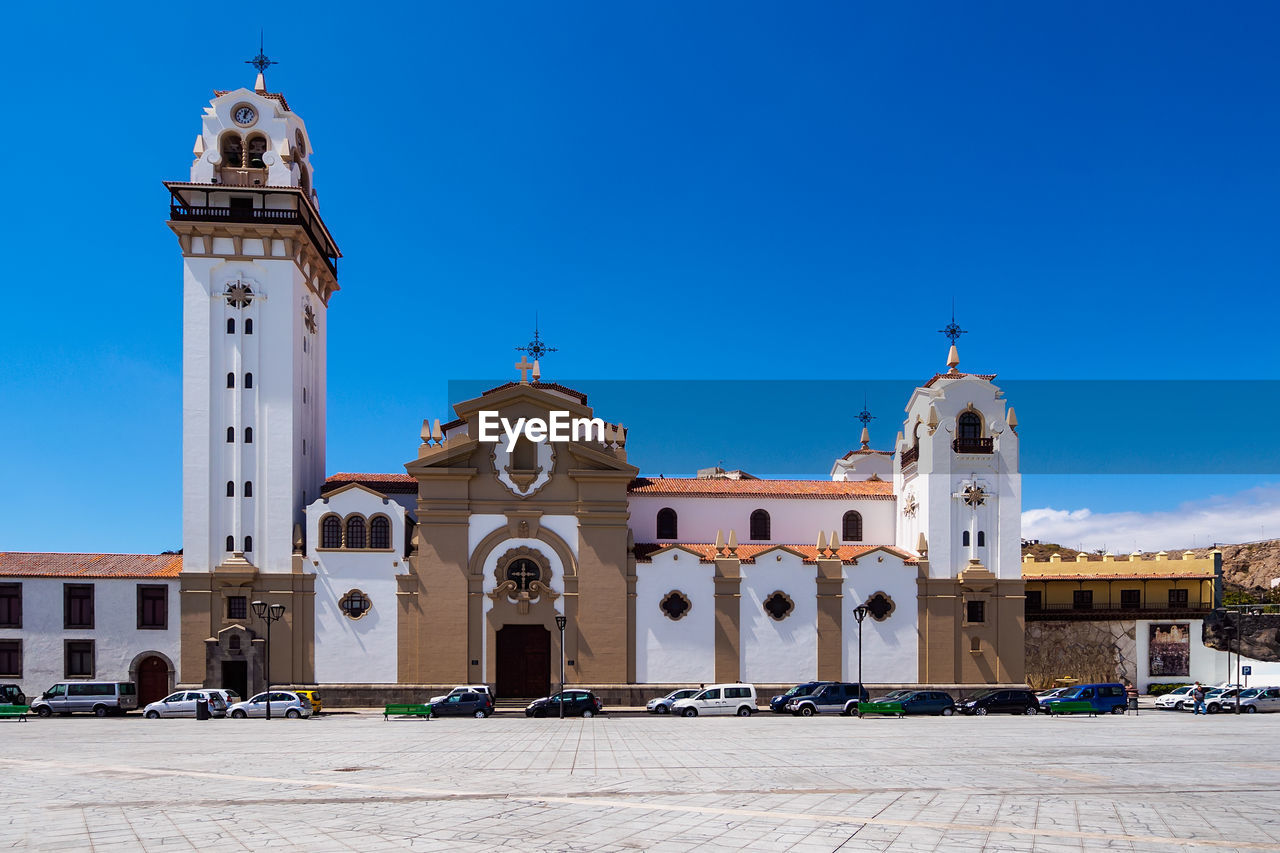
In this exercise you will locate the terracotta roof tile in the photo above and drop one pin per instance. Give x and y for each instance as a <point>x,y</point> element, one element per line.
<point>937,376</point>
<point>276,96</point>
<point>816,489</point>
<point>867,452</point>
<point>398,484</point>
<point>747,553</point>
<point>51,565</point>
<point>549,386</point>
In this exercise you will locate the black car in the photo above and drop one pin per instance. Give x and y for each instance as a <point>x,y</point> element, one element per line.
<point>923,702</point>
<point>11,694</point>
<point>463,705</point>
<point>577,703</point>
<point>778,704</point>
<point>1001,702</point>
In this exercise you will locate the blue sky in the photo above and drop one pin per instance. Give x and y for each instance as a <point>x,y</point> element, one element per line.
<point>714,191</point>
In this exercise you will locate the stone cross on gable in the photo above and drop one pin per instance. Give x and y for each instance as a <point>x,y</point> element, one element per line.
<point>524,367</point>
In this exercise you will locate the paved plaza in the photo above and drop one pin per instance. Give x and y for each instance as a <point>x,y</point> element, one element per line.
<point>1155,782</point>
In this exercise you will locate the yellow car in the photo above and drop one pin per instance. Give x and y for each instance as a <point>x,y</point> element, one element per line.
<point>312,696</point>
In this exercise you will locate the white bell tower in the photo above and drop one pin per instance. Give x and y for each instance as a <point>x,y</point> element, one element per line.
<point>259,268</point>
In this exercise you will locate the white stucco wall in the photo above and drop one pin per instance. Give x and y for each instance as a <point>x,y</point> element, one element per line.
<point>117,639</point>
<point>1208,666</point>
<point>890,648</point>
<point>793,521</point>
<point>675,651</point>
<point>773,651</point>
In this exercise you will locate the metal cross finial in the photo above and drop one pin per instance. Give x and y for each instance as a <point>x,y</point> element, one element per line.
<point>261,62</point>
<point>536,347</point>
<point>865,416</point>
<point>953,330</point>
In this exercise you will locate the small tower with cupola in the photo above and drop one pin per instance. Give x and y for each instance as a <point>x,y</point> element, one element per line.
<point>259,269</point>
<point>959,496</point>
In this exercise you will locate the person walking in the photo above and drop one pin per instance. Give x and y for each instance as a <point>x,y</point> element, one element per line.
<point>1197,695</point>
<point>1131,695</point>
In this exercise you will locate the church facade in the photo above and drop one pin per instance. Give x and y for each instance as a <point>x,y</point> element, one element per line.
<point>480,562</point>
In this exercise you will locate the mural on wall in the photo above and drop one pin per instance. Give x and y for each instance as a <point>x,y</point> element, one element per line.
<point>1170,650</point>
<point>1080,651</point>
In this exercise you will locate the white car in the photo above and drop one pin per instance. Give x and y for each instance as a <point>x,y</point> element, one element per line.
<point>283,704</point>
<point>459,690</point>
<point>1177,699</point>
<point>662,705</point>
<point>722,699</point>
<point>183,704</point>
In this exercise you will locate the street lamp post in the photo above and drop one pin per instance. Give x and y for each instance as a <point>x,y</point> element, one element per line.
<point>860,613</point>
<point>561,621</point>
<point>268,613</point>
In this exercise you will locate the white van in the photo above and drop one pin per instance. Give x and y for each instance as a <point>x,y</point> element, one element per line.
<point>98,697</point>
<point>723,699</point>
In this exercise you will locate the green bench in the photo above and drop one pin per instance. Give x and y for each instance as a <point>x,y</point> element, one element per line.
<point>406,711</point>
<point>18,712</point>
<point>1071,708</point>
<point>894,708</point>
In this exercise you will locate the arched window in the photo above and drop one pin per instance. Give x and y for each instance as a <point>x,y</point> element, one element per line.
<point>964,539</point>
<point>231,543</point>
<point>852,526</point>
<point>331,532</point>
<point>970,425</point>
<point>257,147</point>
<point>248,327</point>
<point>525,456</point>
<point>379,532</point>
<point>667,528</point>
<point>248,488</point>
<point>231,325</point>
<point>982,539</point>
<point>231,489</point>
<point>760,525</point>
<point>232,150</point>
<point>231,380</point>
<point>248,543</point>
<point>248,380</point>
<point>248,435</point>
<point>231,435</point>
<point>355,532</point>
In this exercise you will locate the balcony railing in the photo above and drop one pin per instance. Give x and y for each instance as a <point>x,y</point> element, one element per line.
<point>973,445</point>
<point>266,215</point>
<point>910,455</point>
<point>1094,606</point>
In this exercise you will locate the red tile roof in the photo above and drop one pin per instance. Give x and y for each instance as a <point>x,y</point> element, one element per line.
<point>218,93</point>
<point>937,376</point>
<point>747,553</point>
<point>867,452</point>
<point>817,489</point>
<point>549,386</point>
<point>47,565</point>
<point>388,484</point>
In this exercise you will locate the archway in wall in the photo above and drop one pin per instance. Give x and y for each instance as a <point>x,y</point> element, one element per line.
<point>523,661</point>
<point>151,673</point>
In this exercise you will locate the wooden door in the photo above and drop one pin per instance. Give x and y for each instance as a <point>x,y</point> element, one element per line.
<point>153,680</point>
<point>524,661</point>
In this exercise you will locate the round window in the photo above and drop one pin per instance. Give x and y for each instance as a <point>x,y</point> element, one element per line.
<point>355,604</point>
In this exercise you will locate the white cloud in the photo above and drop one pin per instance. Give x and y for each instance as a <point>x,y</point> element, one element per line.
<point>1243,517</point>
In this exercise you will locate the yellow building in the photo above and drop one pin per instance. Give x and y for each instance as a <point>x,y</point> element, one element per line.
<point>1122,587</point>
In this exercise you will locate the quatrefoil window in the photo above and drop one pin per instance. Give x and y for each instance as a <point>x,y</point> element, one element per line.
<point>675,605</point>
<point>880,606</point>
<point>779,606</point>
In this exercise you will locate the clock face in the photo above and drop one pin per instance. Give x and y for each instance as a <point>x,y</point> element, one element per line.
<point>245,114</point>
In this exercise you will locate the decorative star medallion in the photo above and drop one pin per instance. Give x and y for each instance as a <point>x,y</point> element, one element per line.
<point>910,505</point>
<point>309,318</point>
<point>239,294</point>
<point>974,495</point>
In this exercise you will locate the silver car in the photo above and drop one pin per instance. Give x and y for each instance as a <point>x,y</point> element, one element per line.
<point>662,705</point>
<point>283,704</point>
<point>183,704</point>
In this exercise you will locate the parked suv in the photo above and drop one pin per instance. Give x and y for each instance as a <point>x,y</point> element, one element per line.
<point>723,699</point>
<point>834,698</point>
<point>468,704</point>
<point>577,703</point>
<point>1103,698</point>
<point>1001,702</point>
<point>11,694</point>
<point>462,688</point>
<point>98,697</point>
<point>183,704</point>
<point>778,704</point>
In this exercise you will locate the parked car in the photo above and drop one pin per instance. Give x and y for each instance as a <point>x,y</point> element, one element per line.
<point>577,703</point>
<point>834,698</point>
<point>778,704</point>
<point>183,704</point>
<point>98,697</point>
<point>895,695</point>
<point>1050,693</point>
<point>283,704</point>
<point>722,699</point>
<point>1103,698</point>
<point>662,705</point>
<point>462,688</point>
<point>229,697</point>
<point>933,702</point>
<point>1257,699</point>
<point>11,694</point>
<point>468,704</point>
<point>312,696</point>
<point>1001,702</point>
<point>1177,698</point>
<point>1217,701</point>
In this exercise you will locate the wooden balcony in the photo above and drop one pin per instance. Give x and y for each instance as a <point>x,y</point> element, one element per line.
<point>973,445</point>
<point>910,456</point>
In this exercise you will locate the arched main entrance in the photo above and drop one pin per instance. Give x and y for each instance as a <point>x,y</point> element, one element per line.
<point>524,661</point>
<point>153,679</point>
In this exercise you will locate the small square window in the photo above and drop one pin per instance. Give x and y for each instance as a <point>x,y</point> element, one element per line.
<point>975,612</point>
<point>237,607</point>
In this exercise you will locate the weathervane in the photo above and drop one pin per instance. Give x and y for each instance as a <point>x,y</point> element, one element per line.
<point>865,416</point>
<point>261,62</point>
<point>953,330</point>
<point>536,347</point>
